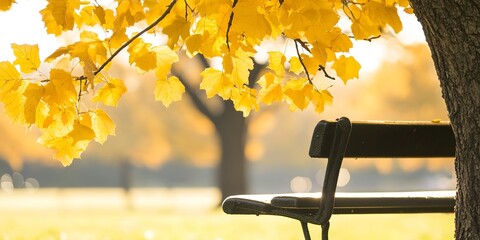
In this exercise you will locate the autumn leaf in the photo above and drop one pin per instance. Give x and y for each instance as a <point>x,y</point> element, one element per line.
<point>244,100</point>
<point>175,28</point>
<point>298,93</point>
<point>276,62</point>
<point>142,55</point>
<point>238,65</point>
<point>58,15</point>
<point>69,146</point>
<point>250,20</point>
<point>215,82</point>
<point>6,4</point>
<point>111,92</point>
<point>271,89</point>
<point>102,125</point>
<point>320,99</point>
<point>14,104</point>
<point>33,95</point>
<point>10,78</point>
<point>169,90</point>
<point>382,15</point>
<point>295,65</point>
<point>347,68</point>
<point>26,57</point>
<point>165,58</point>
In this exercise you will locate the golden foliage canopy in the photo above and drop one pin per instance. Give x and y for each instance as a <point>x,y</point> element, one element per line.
<point>232,30</point>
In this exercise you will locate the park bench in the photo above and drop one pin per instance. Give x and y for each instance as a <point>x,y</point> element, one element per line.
<point>335,140</point>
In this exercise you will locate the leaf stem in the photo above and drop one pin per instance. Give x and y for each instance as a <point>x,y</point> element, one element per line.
<point>167,11</point>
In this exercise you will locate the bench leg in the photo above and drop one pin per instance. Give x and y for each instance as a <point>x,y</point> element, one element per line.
<point>306,232</point>
<point>325,228</point>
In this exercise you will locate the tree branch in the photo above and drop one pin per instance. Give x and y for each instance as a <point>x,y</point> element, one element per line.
<point>301,61</point>
<point>199,104</point>
<point>230,21</point>
<point>167,11</point>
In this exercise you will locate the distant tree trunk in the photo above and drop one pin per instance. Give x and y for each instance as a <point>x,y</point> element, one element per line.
<point>125,175</point>
<point>125,172</point>
<point>452,30</point>
<point>231,129</point>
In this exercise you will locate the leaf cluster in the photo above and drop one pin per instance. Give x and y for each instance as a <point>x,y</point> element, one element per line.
<point>231,30</point>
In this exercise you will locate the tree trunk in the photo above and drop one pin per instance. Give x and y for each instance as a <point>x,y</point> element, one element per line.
<point>231,129</point>
<point>452,30</point>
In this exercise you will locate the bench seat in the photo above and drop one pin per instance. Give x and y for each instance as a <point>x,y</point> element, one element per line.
<point>345,203</point>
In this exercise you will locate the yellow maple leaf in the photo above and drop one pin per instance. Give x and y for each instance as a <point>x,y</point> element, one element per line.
<point>238,65</point>
<point>193,43</point>
<point>118,38</point>
<point>176,27</point>
<point>271,89</point>
<point>341,42</point>
<point>102,125</point>
<point>295,65</point>
<point>276,62</point>
<point>347,68</point>
<point>128,13</point>
<point>61,85</point>
<point>142,55</point>
<point>14,104</point>
<point>169,90</point>
<point>59,52</point>
<point>58,15</point>
<point>381,15</point>
<point>6,4</point>
<point>244,100</point>
<point>41,114</point>
<point>111,92</point>
<point>250,19</point>
<point>165,58</point>
<point>69,146</point>
<point>10,78</point>
<point>298,93</point>
<point>33,94</point>
<point>215,82</point>
<point>63,147</point>
<point>26,57</point>
<point>60,119</point>
<point>320,99</point>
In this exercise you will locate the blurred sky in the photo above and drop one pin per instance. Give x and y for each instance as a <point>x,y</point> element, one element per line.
<point>395,73</point>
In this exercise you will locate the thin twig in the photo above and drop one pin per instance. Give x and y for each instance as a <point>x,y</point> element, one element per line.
<point>368,39</point>
<point>301,61</point>
<point>230,21</point>
<point>322,68</point>
<point>303,44</point>
<point>167,11</point>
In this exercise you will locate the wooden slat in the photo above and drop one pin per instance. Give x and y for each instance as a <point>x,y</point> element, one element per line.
<point>388,139</point>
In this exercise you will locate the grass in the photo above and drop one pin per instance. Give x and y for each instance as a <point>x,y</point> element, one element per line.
<point>103,222</point>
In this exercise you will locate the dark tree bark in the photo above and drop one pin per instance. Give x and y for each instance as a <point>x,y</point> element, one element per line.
<point>452,30</point>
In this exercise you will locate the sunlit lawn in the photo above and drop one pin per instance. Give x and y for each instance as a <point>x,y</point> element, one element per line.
<point>111,222</point>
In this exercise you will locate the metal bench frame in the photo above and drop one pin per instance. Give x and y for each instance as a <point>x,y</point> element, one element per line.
<point>338,139</point>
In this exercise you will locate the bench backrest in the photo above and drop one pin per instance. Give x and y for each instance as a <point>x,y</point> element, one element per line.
<point>387,139</point>
<point>342,138</point>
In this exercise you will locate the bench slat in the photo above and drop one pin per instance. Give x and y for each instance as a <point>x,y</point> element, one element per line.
<point>374,202</point>
<point>345,203</point>
<point>389,139</point>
